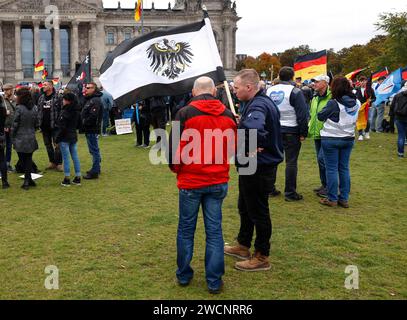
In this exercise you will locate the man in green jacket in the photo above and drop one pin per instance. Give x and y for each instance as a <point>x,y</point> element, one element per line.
<point>319,102</point>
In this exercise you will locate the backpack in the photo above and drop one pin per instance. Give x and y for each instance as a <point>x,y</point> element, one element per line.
<point>401,107</point>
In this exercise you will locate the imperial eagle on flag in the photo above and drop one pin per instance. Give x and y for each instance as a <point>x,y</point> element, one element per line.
<point>82,76</point>
<point>162,63</point>
<point>311,65</point>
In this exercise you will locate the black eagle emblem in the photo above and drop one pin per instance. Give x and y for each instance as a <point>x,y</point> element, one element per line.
<point>169,59</point>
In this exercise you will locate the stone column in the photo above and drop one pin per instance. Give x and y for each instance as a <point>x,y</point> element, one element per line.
<point>93,46</point>
<point>74,46</point>
<point>19,75</point>
<point>120,35</point>
<point>1,54</point>
<point>57,50</point>
<point>37,47</point>
<point>226,46</point>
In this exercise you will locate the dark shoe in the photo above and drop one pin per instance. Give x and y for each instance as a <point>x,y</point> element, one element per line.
<point>343,204</point>
<point>90,172</point>
<point>319,189</point>
<point>91,176</point>
<point>144,146</point>
<point>66,182</point>
<point>184,284</point>
<point>5,185</point>
<point>274,194</point>
<point>51,166</point>
<point>32,183</point>
<point>76,181</point>
<point>10,169</point>
<point>218,290</point>
<point>257,263</point>
<point>327,202</point>
<point>26,184</point>
<point>322,193</point>
<point>296,197</point>
<point>239,251</point>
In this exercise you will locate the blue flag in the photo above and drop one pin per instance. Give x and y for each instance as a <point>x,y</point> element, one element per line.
<point>389,87</point>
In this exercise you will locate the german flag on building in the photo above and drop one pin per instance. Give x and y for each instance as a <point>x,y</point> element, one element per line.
<point>311,65</point>
<point>139,10</point>
<point>39,66</point>
<point>404,74</point>
<point>382,73</point>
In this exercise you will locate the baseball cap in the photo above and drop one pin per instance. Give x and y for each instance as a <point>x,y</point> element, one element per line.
<point>321,77</point>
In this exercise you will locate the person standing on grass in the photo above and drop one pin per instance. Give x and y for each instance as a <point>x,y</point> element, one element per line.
<point>260,114</point>
<point>202,183</point>
<point>3,162</point>
<point>10,110</point>
<point>337,139</point>
<point>142,121</point>
<point>318,103</point>
<point>398,110</point>
<point>365,94</point>
<point>25,123</point>
<point>67,138</point>
<point>92,116</point>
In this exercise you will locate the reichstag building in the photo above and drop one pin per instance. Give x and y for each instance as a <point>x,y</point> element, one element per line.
<point>62,32</point>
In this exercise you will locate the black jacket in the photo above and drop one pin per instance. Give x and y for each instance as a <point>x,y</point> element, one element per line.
<point>68,123</point>
<point>399,102</point>
<point>92,114</point>
<point>55,104</point>
<point>3,114</point>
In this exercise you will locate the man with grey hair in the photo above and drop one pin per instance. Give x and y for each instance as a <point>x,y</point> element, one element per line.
<point>202,178</point>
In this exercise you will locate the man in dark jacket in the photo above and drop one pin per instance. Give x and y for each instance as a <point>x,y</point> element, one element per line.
<point>398,110</point>
<point>294,113</point>
<point>10,106</point>
<point>202,178</point>
<point>92,115</point>
<point>158,109</point>
<point>262,115</point>
<point>49,107</point>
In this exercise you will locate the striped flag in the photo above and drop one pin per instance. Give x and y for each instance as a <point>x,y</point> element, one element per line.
<point>311,65</point>
<point>162,63</point>
<point>39,66</point>
<point>44,74</point>
<point>382,73</point>
<point>139,10</point>
<point>353,74</point>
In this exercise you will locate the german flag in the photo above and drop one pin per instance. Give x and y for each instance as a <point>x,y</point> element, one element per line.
<point>311,65</point>
<point>404,74</point>
<point>139,10</point>
<point>382,73</point>
<point>39,66</point>
<point>353,74</point>
<point>55,81</point>
<point>44,74</point>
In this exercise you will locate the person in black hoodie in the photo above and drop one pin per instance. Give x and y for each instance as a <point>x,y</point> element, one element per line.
<point>158,109</point>
<point>67,137</point>
<point>337,140</point>
<point>3,162</point>
<point>142,120</point>
<point>92,115</point>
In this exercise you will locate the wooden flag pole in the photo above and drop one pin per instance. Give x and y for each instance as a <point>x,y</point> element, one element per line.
<point>232,106</point>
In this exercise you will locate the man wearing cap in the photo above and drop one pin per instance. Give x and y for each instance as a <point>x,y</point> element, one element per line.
<point>319,102</point>
<point>294,126</point>
<point>10,110</point>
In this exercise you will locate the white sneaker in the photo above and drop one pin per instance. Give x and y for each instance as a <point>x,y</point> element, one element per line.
<point>361,138</point>
<point>367,136</point>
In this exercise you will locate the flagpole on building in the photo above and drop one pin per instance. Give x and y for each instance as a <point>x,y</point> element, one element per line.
<point>142,17</point>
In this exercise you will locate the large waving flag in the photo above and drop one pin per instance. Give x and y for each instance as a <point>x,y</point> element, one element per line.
<point>311,65</point>
<point>162,63</point>
<point>389,87</point>
<point>39,66</point>
<point>353,74</point>
<point>82,76</point>
<point>381,73</point>
<point>139,10</point>
<point>404,74</point>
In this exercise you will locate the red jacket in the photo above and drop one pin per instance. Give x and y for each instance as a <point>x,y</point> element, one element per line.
<point>196,161</point>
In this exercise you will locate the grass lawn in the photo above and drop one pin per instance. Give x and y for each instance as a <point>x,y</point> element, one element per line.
<point>115,238</point>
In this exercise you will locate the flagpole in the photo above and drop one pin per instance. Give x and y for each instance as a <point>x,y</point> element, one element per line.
<point>142,17</point>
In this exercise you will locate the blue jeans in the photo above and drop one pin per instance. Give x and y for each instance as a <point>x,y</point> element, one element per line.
<point>376,116</point>
<point>211,199</point>
<point>402,134</point>
<point>9,147</point>
<point>321,162</point>
<point>93,147</point>
<point>337,157</point>
<point>105,122</point>
<point>67,150</point>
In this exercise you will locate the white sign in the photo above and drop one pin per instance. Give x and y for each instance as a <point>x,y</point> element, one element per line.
<point>123,126</point>
<point>34,176</point>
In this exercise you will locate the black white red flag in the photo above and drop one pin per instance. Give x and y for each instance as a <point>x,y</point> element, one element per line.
<point>162,63</point>
<point>82,76</point>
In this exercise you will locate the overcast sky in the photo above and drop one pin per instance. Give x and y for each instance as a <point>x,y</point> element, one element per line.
<point>274,26</point>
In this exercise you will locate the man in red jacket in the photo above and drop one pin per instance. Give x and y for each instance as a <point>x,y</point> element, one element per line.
<point>206,133</point>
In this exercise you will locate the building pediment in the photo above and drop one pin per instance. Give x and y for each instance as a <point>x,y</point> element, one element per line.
<point>39,6</point>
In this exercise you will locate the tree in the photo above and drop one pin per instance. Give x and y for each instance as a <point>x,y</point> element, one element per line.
<point>288,57</point>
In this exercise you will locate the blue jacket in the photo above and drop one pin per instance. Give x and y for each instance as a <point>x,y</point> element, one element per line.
<point>262,114</point>
<point>107,100</point>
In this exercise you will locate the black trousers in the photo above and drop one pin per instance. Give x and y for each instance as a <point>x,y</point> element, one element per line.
<point>143,131</point>
<point>3,163</point>
<point>254,210</point>
<point>292,148</point>
<point>26,160</point>
<point>54,153</point>
<point>159,121</point>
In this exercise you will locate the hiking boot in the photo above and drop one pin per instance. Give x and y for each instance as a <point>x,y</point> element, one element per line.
<point>327,202</point>
<point>294,198</point>
<point>258,262</point>
<point>76,181</point>
<point>51,166</point>
<point>274,194</point>
<point>66,182</point>
<point>343,204</point>
<point>91,176</point>
<point>59,168</point>
<point>239,251</point>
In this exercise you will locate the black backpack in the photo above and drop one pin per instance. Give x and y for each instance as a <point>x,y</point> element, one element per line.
<point>401,106</point>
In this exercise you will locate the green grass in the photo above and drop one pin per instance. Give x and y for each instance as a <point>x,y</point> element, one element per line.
<point>115,238</point>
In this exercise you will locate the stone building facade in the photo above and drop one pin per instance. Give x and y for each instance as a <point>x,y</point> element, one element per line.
<point>62,32</point>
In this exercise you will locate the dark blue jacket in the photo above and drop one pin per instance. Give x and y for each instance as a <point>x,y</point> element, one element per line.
<point>262,114</point>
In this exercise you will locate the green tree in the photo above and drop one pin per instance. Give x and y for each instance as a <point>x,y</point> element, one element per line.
<point>288,57</point>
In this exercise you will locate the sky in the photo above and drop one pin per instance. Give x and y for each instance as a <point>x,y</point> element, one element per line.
<point>276,25</point>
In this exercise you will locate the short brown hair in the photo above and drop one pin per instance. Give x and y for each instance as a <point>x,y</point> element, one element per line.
<point>340,87</point>
<point>24,97</point>
<point>249,76</point>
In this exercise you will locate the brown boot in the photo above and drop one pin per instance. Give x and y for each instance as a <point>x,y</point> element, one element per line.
<point>59,168</point>
<point>257,263</point>
<point>239,251</point>
<point>51,166</point>
<point>343,204</point>
<point>326,202</point>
